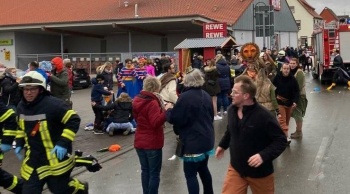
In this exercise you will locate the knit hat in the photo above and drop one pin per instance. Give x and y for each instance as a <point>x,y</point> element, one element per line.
<point>100,77</point>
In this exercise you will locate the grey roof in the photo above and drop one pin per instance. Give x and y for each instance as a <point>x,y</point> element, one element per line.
<point>204,42</point>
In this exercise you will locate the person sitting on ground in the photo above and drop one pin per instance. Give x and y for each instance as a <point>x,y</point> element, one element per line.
<point>341,74</point>
<point>121,115</point>
<point>96,97</point>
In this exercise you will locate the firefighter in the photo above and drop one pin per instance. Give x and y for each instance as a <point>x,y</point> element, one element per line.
<point>341,73</point>
<point>47,127</point>
<point>9,126</point>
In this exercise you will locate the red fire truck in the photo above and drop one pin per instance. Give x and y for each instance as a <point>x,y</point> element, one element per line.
<point>333,35</point>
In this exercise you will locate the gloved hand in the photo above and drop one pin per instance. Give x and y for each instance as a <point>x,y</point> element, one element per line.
<point>18,153</point>
<point>5,147</point>
<point>59,151</point>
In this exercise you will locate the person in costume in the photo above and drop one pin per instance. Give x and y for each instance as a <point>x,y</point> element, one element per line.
<point>126,78</point>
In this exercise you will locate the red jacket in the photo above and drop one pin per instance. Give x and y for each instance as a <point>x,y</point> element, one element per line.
<point>150,119</point>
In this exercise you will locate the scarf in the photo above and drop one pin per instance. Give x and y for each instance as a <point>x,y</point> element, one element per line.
<point>165,79</point>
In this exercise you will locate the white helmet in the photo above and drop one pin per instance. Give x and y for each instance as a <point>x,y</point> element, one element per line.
<point>33,78</point>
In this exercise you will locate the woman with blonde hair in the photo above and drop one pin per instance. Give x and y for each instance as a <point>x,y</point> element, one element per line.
<point>211,85</point>
<point>270,66</point>
<point>150,115</point>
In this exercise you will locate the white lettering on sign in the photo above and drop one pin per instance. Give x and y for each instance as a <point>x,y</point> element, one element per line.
<point>214,34</point>
<point>214,26</point>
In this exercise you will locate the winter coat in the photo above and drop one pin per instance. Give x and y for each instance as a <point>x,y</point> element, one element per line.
<point>192,119</point>
<point>97,91</point>
<point>211,84</point>
<point>122,111</point>
<point>258,132</point>
<point>59,85</point>
<point>108,82</point>
<point>150,118</point>
<point>224,75</point>
<point>11,95</point>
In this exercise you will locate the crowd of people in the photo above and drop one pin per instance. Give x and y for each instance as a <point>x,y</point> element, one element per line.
<point>265,91</point>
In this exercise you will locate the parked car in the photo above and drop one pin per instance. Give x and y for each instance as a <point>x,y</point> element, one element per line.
<point>81,78</point>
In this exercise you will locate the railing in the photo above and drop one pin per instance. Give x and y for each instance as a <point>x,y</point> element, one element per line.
<point>88,61</point>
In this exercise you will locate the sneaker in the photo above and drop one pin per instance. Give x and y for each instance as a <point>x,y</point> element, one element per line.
<point>225,112</point>
<point>98,132</point>
<point>127,131</point>
<point>89,128</point>
<point>172,157</point>
<point>216,118</point>
<point>296,135</point>
<point>111,131</point>
<point>289,140</point>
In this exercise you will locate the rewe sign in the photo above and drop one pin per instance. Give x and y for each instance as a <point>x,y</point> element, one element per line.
<point>214,30</point>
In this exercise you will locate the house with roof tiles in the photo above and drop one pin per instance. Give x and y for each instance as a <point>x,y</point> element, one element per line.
<point>306,18</point>
<point>94,31</point>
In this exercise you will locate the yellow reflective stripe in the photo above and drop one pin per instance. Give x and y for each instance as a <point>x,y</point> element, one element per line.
<point>46,139</point>
<point>7,132</point>
<point>20,134</point>
<point>1,155</point>
<point>6,115</point>
<point>21,124</point>
<point>83,161</point>
<point>67,116</point>
<point>14,183</point>
<point>67,133</point>
<point>62,168</point>
<point>26,170</point>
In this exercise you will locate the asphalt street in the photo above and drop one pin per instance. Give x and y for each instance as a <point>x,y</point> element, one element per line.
<point>316,164</point>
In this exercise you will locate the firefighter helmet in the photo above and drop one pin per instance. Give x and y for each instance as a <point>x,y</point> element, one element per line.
<point>33,78</point>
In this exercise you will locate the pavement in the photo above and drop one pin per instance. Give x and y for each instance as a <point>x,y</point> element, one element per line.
<point>318,163</point>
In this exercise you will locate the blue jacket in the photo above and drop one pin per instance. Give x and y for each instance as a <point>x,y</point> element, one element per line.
<point>97,91</point>
<point>224,74</point>
<point>195,130</point>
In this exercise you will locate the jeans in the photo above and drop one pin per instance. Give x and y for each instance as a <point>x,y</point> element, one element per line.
<point>223,100</point>
<point>191,169</point>
<point>151,163</point>
<point>121,126</point>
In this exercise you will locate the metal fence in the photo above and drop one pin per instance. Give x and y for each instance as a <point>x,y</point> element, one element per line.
<point>89,61</point>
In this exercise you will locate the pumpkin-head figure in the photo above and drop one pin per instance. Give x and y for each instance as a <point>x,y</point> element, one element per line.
<point>250,52</point>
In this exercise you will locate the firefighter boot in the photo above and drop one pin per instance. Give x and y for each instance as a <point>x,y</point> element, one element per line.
<point>349,85</point>
<point>331,86</point>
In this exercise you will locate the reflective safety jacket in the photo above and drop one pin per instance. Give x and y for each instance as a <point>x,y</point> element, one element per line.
<point>8,126</point>
<point>43,124</point>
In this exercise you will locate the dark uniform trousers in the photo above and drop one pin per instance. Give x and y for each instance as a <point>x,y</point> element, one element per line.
<point>10,182</point>
<point>61,184</point>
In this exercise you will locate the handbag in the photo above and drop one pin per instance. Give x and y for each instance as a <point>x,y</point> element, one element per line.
<point>179,152</point>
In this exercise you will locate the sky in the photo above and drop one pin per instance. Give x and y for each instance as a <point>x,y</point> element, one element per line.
<point>340,7</point>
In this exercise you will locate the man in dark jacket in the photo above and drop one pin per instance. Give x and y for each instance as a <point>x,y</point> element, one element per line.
<point>340,74</point>
<point>255,140</point>
<point>10,93</point>
<point>287,95</point>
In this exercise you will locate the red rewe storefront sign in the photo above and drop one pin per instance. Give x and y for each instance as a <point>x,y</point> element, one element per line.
<point>214,30</point>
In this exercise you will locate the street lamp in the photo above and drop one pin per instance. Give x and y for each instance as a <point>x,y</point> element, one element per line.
<point>261,8</point>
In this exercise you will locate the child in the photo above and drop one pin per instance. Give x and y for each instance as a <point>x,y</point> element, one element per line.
<point>96,97</point>
<point>121,116</point>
